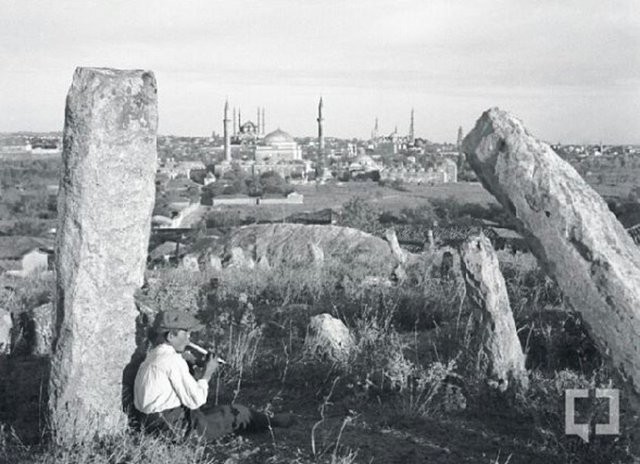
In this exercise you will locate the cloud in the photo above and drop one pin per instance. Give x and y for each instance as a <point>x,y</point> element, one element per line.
<point>386,54</point>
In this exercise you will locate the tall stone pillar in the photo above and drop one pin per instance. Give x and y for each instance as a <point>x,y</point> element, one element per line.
<point>104,205</point>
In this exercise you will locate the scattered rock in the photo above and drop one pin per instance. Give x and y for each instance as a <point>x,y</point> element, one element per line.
<point>41,330</point>
<point>215,263</point>
<point>190,263</point>
<point>263,263</point>
<point>446,266</point>
<point>317,255</point>
<point>328,337</point>
<point>238,260</point>
<point>399,274</point>
<point>397,252</point>
<point>375,281</point>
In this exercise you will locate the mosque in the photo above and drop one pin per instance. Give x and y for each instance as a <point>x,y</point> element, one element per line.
<point>393,143</point>
<point>276,151</point>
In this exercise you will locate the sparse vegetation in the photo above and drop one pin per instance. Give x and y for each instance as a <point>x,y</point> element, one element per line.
<point>414,368</point>
<point>413,383</point>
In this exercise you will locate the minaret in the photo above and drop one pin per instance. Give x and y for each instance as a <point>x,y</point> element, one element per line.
<point>258,122</point>
<point>227,138</point>
<point>374,132</point>
<point>320,133</point>
<point>235,131</point>
<point>412,137</point>
<point>460,137</point>
<point>262,121</point>
<point>239,121</point>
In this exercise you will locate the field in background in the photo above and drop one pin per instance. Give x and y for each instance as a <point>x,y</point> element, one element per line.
<point>335,195</point>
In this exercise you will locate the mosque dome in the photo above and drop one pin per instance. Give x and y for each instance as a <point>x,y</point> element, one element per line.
<point>277,136</point>
<point>367,162</point>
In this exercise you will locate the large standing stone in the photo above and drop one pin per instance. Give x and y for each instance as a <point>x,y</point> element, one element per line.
<point>488,291</point>
<point>104,206</point>
<point>569,228</point>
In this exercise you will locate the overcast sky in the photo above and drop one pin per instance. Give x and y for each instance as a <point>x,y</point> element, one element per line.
<point>569,69</point>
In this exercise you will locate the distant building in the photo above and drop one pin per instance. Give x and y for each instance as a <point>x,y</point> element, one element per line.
<point>173,169</point>
<point>445,171</point>
<point>23,256</point>
<point>276,147</point>
<point>14,144</point>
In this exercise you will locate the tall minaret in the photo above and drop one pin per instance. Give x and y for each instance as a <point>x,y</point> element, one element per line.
<point>262,121</point>
<point>460,137</point>
<point>239,121</point>
<point>320,133</point>
<point>258,122</point>
<point>235,131</point>
<point>227,138</point>
<point>412,137</point>
<point>374,132</point>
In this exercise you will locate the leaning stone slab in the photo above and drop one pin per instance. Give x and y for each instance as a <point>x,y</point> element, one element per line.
<point>570,230</point>
<point>487,290</point>
<point>105,202</point>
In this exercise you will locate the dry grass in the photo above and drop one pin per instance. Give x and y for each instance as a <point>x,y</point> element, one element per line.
<point>412,341</point>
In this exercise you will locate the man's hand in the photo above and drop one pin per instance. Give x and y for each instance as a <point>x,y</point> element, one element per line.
<point>189,357</point>
<point>210,367</point>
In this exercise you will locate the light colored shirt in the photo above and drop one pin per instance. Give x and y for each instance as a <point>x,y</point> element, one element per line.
<point>164,382</point>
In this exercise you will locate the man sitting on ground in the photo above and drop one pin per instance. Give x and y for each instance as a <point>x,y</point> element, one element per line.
<point>169,397</point>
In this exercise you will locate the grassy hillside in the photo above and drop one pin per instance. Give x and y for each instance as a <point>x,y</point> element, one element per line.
<point>413,390</point>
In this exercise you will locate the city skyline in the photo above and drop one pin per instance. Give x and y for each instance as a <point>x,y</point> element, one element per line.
<point>570,71</point>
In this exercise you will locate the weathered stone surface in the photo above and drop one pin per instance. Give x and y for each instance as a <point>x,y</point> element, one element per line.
<point>446,266</point>
<point>190,263</point>
<point>104,207</point>
<point>289,244</point>
<point>396,251</point>
<point>263,263</point>
<point>238,259</point>
<point>6,324</point>
<point>317,254</point>
<point>399,274</point>
<point>570,230</point>
<point>329,338</point>
<point>430,240</point>
<point>215,263</point>
<point>38,330</point>
<point>488,291</point>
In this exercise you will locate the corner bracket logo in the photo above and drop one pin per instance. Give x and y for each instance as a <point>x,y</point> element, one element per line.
<point>612,427</point>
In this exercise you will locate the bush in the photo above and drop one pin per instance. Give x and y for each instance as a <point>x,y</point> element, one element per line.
<point>360,214</point>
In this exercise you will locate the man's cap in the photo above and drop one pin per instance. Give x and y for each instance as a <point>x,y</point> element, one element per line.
<point>175,319</point>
